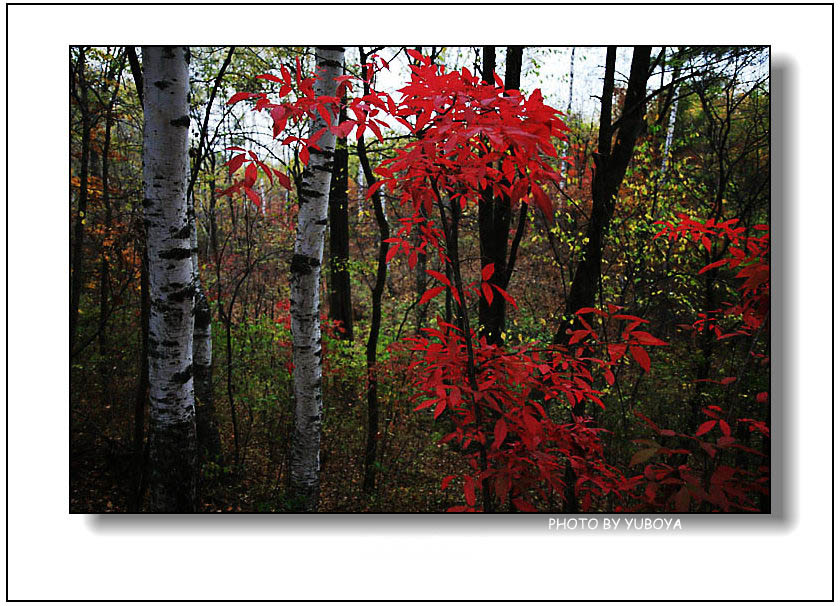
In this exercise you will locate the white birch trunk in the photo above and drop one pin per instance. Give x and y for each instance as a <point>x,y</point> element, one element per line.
<point>165,173</point>
<point>568,112</point>
<point>305,305</point>
<point>669,137</point>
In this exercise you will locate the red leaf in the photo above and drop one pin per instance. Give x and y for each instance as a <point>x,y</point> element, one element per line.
<point>724,427</point>
<point>235,162</point>
<point>446,482</point>
<point>543,202</point>
<point>372,189</point>
<point>488,292</point>
<point>439,276</point>
<point>523,505</point>
<point>728,380</point>
<point>283,180</point>
<point>469,490</point>
<point>431,294</point>
<point>241,97</point>
<point>342,130</point>
<point>506,296</point>
<point>255,198</point>
<point>392,252</point>
<point>705,428</point>
<point>266,170</point>
<point>617,351</point>
<point>641,356</point>
<point>713,265</point>
<point>590,310</point>
<point>250,175</point>
<point>440,408</point>
<point>645,338</point>
<point>325,114</point>
<point>761,398</point>
<point>414,55</point>
<point>270,77</point>
<point>487,271</point>
<point>424,404</point>
<point>499,433</point>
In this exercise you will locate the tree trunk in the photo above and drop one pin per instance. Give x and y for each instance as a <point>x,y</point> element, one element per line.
<point>563,164</point>
<point>494,217</point>
<point>368,481</point>
<point>79,227</point>
<point>305,304</point>
<point>207,431</point>
<point>104,281</point>
<point>341,304</point>
<point>165,172</point>
<point>610,165</point>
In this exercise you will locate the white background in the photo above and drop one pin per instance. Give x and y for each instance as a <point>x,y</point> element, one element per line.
<point>55,555</point>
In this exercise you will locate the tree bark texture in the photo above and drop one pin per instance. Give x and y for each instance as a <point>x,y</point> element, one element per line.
<point>104,280</point>
<point>81,95</point>
<point>494,217</point>
<point>369,479</point>
<point>171,287</point>
<point>563,164</point>
<point>611,163</point>
<point>207,431</point>
<point>305,305</point>
<point>341,304</point>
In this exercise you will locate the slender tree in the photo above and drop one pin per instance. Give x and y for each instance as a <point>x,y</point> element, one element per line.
<point>305,305</point>
<point>494,217</point>
<point>341,303</point>
<point>79,92</point>
<point>611,163</point>
<point>165,172</point>
<point>115,74</point>
<point>376,304</point>
<point>565,152</point>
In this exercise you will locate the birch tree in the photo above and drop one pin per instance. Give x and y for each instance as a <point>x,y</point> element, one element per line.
<point>171,280</point>
<point>305,305</point>
<point>565,152</point>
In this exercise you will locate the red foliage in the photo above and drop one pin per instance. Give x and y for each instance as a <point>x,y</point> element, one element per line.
<point>720,487</point>
<point>525,449</point>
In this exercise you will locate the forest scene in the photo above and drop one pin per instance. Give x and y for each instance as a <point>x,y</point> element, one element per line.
<point>419,279</point>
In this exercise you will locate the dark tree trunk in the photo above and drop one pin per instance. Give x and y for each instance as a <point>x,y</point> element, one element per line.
<point>79,91</point>
<point>207,431</point>
<point>104,281</point>
<point>341,304</point>
<point>494,218</point>
<point>141,397</point>
<point>610,165</point>
<point>376,311</point>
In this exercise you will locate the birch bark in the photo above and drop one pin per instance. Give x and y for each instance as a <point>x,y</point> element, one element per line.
<point>563,165</point>
<point>669,137</point>
<point>171,286</point>
<point>305,305</point>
